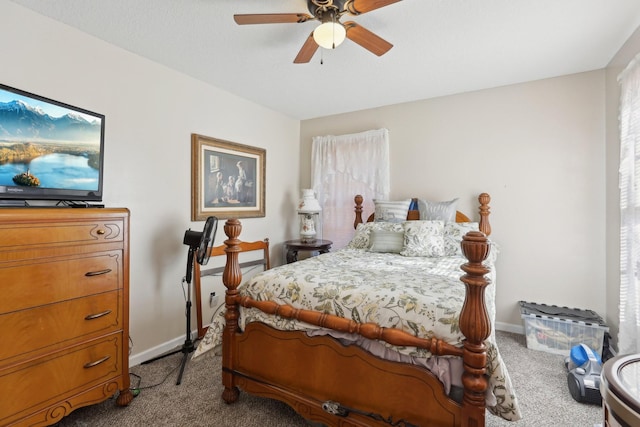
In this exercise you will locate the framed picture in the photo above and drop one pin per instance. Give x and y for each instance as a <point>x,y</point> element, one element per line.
<point>227,179</point>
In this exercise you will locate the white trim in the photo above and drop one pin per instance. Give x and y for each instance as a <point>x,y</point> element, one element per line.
<point>509,327</point>
<point>166,347</point>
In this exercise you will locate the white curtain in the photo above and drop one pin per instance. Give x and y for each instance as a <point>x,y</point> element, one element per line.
<point>343,166</point>
<point>629,175</point>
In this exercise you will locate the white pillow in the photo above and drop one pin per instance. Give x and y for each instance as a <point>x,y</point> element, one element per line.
<point>363,230</point>
<point>391,211</point>
<point>423,238</point>
<point>445,211</point>
<point>453,233</point>
<point>386,241</point>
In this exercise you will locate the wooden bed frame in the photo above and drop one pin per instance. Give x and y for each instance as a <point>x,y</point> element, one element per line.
<point>327,382</point>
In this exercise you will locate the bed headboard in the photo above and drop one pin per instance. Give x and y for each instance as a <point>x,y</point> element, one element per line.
<point>413,215</point>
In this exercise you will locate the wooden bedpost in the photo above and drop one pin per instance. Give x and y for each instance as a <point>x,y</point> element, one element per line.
<point>358,199</point>
<point>476,327</point>
<point>231,277</point>
<point>484,200</point>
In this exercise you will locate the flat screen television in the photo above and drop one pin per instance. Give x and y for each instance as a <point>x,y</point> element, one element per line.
<point>49,150</point>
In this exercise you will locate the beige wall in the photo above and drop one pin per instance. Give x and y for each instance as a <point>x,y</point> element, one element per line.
<point>537,148</point>
<point>151,112</point>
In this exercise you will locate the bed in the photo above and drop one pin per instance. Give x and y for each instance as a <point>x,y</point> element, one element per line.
<point>402,340</point>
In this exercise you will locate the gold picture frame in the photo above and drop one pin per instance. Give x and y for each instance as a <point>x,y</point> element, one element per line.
<point>227,179</point>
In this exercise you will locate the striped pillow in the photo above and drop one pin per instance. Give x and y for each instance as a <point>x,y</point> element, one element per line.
<point>364,230</point>
<point>445,211</point>
<point>391,211</point>
<point>386,241</point>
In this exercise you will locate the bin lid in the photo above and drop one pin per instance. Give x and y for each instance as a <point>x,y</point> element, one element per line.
<point>566,313</point>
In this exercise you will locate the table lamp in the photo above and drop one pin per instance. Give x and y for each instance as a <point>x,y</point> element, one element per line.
<point>310,216</point>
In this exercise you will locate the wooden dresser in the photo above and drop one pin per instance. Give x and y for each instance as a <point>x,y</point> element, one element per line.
<point>64,311</point>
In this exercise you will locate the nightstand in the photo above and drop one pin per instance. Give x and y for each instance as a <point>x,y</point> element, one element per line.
<point>294,246</point>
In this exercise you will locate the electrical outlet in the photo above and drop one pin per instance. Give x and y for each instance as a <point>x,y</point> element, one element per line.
<point>213,300</point>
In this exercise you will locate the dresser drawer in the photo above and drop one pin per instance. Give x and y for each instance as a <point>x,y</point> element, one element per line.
<point>44,382</point>
<point>29,285</point>
<point>17,236</point>
<point>51,327</point>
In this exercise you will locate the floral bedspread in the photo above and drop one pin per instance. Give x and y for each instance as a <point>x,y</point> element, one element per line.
<point>420,295</point>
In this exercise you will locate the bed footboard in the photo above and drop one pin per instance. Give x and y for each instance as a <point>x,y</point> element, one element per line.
<point>338,385</point>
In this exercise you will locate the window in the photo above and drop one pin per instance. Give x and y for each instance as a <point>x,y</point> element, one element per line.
<point>629,182</point>
<point>342,167</point>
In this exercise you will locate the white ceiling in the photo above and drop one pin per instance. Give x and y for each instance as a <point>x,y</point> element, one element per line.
<point>441,47</point>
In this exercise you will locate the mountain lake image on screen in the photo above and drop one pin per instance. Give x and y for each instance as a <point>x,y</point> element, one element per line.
<point>49,150</point>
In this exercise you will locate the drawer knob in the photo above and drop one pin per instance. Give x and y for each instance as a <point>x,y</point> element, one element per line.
<point>97,315</point>
<point>97,362</point>
<point>101,231</point>
<point>97,273</point>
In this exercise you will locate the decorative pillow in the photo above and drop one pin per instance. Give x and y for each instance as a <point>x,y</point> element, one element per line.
<point>386,241</point>
<point>361,238</point>
<point>391,211</point>
<point>423,238</point>
<point>453,233</point>
<point>445,211</point>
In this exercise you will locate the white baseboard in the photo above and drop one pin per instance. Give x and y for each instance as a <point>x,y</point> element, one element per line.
<point>509,327</point>
<point>166,347</point>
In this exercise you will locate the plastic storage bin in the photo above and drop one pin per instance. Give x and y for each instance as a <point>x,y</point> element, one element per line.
<point>556,329</point>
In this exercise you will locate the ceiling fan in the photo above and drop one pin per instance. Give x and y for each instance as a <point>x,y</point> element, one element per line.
<point>331,32</point>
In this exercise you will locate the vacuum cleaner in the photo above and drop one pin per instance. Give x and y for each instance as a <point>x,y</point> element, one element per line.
<point>585,367</point>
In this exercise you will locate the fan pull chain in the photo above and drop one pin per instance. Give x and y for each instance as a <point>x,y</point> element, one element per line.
<point>333,31</point>
<point>321,56</point>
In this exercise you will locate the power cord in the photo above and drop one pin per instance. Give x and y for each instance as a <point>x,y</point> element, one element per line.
<point>184,291</point>
<point>137,389</point>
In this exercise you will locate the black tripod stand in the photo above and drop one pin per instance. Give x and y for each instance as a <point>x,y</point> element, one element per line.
<point>198,243</point>
<point>189,345</point>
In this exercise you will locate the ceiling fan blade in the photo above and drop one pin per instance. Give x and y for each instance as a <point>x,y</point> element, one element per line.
<point>366,39</point>
<point>271,18</point>
<point>309,49</point>
<point>357,7</point>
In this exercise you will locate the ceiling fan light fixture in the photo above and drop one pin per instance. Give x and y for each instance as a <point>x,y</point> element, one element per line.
<point>329,35</point>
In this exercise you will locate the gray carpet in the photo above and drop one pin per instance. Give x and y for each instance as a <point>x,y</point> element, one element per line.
<point>539,378</point>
